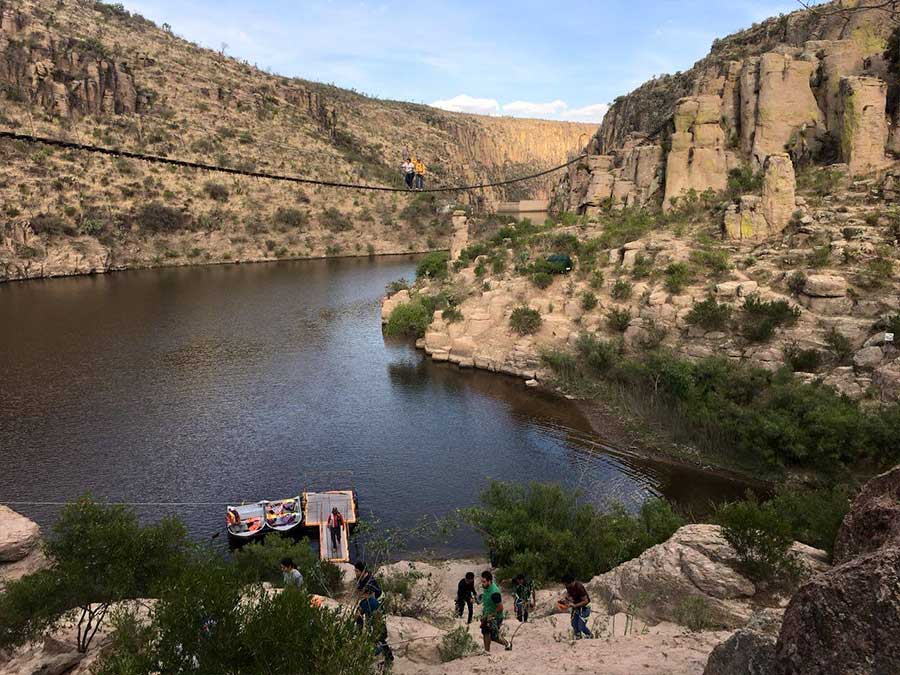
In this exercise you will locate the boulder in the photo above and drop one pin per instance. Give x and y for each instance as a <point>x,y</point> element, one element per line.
<point>825,286</point>
<point>392,302</point>
<point>868,357</point>
<point>846,620</point>
<point>874,520</point>
<point>887,381</point>
<point>460,238</point>
<point>49,657</point>
<point>696,562</point>
<point>414,640</point>
<point>18,535</point>
<point>746,652</point>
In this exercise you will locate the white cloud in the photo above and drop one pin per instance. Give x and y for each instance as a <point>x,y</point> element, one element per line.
<point>553,110</point>
<point>588,113</point>
<point>468,104</point>
<point>529,109</point>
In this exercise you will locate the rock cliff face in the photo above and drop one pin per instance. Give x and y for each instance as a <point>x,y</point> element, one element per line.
<point>95,73</point>
<point>813,84</point>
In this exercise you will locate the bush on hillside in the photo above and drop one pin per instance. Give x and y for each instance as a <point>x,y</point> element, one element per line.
<point>588,301</point>
<point>597,355</point>
<point>433,265</point>
<point>678,275</point>
<point>802,360</point>
<point>760,318</point>
<point>814,515</point>
<point>410,319</point>
<point>50,225</point>
<point>618,319</point>
<point>762,539</point>
<point>525,321</point>
<point>621,290</point>
<point>839,345</point>
<point>797,282</point>
<point>216,191</point>
<point>396,286</point>
<point>159,218</point>
<point>456,644</point>
<point>544,531</point>
<point>709,315</point>
<point>207,621</point>
<point>290,218</point>
<point>542,279</point>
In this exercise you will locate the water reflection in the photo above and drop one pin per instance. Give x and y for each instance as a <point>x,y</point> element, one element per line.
<point>219,384</point>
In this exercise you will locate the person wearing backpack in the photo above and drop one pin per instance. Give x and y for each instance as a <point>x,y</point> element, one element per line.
<point>335,528</point>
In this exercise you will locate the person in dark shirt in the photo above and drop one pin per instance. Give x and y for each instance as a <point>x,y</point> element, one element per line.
<point>465,595</point>
<point>369,612</point>
<point>524,597</point>
<point>579,602</point>
<point>366,580</point>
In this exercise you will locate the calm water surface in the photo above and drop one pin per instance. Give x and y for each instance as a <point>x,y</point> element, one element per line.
<point>242,382</point>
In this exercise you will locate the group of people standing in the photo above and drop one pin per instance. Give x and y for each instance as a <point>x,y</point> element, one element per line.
<point>576,600</point>
<point>413,170</point>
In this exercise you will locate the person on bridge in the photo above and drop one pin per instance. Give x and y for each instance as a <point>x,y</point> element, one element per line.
<point>335,528</point>
<point>420,174</point>
<point>579,603</point>
<point>409,172</point>
<point>491,612</point>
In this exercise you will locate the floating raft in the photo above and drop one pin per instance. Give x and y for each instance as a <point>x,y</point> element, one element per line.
<point>316,509</point>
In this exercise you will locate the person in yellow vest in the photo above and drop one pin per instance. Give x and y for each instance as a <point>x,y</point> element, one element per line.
<point>420,174</point>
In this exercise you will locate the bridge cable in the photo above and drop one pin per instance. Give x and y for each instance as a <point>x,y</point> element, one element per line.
<point>55,142</point>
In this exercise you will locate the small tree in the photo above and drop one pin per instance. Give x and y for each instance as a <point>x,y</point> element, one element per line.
<point>99,554</point>
<point>525,321</point>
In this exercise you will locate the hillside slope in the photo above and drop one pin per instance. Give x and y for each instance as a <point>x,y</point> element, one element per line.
<point>94,73</point>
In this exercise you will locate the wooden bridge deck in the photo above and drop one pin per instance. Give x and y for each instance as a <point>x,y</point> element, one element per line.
<point>316,509</point>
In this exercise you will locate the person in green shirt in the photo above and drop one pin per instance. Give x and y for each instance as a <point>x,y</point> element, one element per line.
<point>491,612</point>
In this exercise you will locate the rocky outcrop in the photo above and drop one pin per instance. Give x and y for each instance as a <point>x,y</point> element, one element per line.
<point>847,619</point>
<point>779,201</point>
<point>20,551</point>
<point>696,562</point>
<point>697,160</point>
<point>460,237</point>
<point>864,128</point>
<point>391,302</point>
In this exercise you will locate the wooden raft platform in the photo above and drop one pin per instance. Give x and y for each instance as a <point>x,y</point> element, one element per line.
<point>316,509</point>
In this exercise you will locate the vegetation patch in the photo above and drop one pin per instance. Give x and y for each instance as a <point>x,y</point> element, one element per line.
<point>410,319</point>
<point>760,318</point>
<point>525,320</point>
<point>710,315</point>
<point>433,265</point>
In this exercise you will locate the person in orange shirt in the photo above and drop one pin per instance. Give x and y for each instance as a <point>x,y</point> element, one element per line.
<point>420,174</point>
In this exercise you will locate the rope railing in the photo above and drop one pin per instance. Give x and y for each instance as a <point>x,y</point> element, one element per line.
<point>156,159</point>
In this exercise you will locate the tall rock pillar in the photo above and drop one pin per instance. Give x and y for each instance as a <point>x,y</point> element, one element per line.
<point>779,192</point>
<point>460,237</point>
<point>864,130</point>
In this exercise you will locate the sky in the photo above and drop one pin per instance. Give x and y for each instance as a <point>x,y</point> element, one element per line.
<point>521,58</point>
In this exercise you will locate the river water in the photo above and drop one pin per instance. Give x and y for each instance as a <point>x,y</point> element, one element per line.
<point>242,382</point>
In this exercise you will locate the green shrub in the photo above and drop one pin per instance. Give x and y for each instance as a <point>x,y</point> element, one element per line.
<point>456,644</point>
<point>542,279</point>
<point>802,360</point>
<point>815,516</point>
<point>396,286</point>
<point>99,555</point>
<point>643,267</point>
<point>709,315</point>
<point>216,191</point>
<point>694,613</point>
<point>839,345</point>
<point>156,217</point>
<point>433,265</point>
<point>588,301</point>
<point>714,261</point>
<point>51,225</point>
<point>259,561</point>
<point>410,319</point>
<point>819,256</point>
<point>744,181</point>
<point>878,271</point>
<point>618,319</point>
<point>797,282</point>
<point>290,218</point>
<point>622,289</point>
<point>525,321</point>
<point>761,537</point>
<point>335,220</point>
<point>545,531</point>
<point>760,318</point>
<point>452,315</point>
<point>678,275</point>
<point>205,621</point>
<point>621,227</point>
<point>597,355</point>
<point>596,281</point>
<point>652,335</point>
